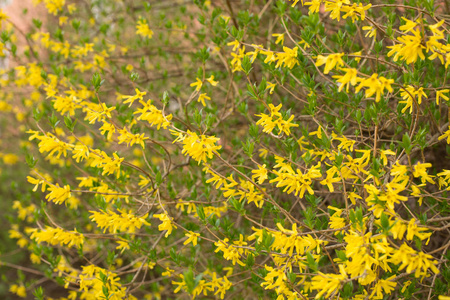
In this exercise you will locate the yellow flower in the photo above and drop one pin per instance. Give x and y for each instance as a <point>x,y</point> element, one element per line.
<point>375,85</point>
<point>130,99</point>
<point>336,221</point>
<point>251,194</point>
<point>355,11</point>
<point>384,157</point>
<point>335,7</point>
<point>10,158</point>
<point>326,284</point>
<point>288,57</point>
<point>392,195</point>
<point>107,127</point>
<point>359,53</point>
<point>211,80</point>
<point>80,152</point>
<point>54,6</point>
<point>260,174</point>
<point>270,56</point>
<point>408,26</point>
<point>350,77</point>
<point>236,62</point>
<point>35,259</point>
<point>280,38</point>
<point>331,179</point>
<point>345,143</point>
<point>202,98</point>
<point>409,49</point>
<point>229,252</point>
<point>3,17</point>
<point>129,68</point>
<point>416,192</point>
<point>124,222</point>
<point>200,148</point>
<point>263,152</point>
<point>192,238</point>
<point>143,29</point>
<point>318,133</point>
<point>235,44</point>
<point>123,245</point>
<point>153,115</point>
<point>123,50</point>
<point>166,224</point>
<point>408,258</point>
<point>198,85</point>
<point>331,61</point>
<point>314,6</point>
<point>271,87</point>
<point>57,236</point>
<point>440,94</point>
<point>168,272</point>
<point>383,285</point>
<point>19,290</point>
<point>275,279</point>
<point>63,20</point>
<point>50,143</point>
<point>420,170</point>
<point>108,164</point>
<point>66,104</point>
<point>353,196</point>
<point>99,115</point>
<point>445,135</point>
<point>371,32</point>
<point>414,230</point>
<point>405,286</point>
<point>296,181</point>
<point>275,120</point>
<point>71,8</point>
<point>58,194</point>
<point>131,139</point>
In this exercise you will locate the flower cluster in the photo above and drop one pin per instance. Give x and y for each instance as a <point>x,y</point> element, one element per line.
<point>276,120</point>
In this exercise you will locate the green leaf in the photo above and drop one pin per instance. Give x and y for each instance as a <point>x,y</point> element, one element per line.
<point>97,81</point>
<point>39,293</point>
<point>384,222</point>
<point>250,261</point>
<point>69,123</point>
<point>31,161</point>
<point>201,212</point>
<point>246,65</point>
<point>310,261</point>
<point>53,120</point>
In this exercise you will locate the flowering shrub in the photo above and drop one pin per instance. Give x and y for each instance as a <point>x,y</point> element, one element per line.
<point>229,149</point>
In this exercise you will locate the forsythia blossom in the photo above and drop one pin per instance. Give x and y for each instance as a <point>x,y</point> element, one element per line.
<point>200,148</point>
<point>57,236</point>
<point>123,222</point>
<point>276,120</point>
<point>166,224</point>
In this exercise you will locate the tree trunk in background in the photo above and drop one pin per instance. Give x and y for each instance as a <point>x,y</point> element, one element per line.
<point>21,13</point>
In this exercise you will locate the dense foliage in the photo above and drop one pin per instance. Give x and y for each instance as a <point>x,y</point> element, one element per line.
<point>227,149</point>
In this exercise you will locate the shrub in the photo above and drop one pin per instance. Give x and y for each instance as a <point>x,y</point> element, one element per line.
<point>230,149</point>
